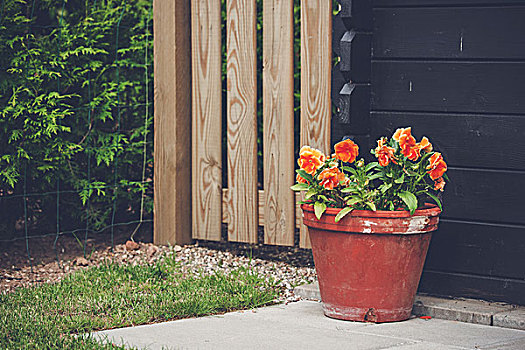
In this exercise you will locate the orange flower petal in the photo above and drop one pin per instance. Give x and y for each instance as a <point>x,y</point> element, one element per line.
<point>346,151</point>
<point>425,145</point>
<point>331,178</point>
<point>310,159</point>
<point>437,166</point>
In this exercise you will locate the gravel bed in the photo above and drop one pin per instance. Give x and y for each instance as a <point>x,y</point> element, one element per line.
<point>193,259</point>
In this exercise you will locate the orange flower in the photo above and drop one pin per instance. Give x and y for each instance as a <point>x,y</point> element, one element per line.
<point>310,159</point>
<point>425,145</point>
<point>439,184</point>
<point>407,143</point>
<point>300,179</point>
<point>402,132</point>
<point>412,153</point>
<point>346,151</point>
<point>384,154</point>
<point>331,177</point>
<point>437,166</point>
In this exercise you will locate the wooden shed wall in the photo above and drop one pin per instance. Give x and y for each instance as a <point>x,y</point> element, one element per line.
<point>455,72</point>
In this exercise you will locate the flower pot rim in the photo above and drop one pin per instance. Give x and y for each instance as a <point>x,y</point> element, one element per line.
<point>428,210</point>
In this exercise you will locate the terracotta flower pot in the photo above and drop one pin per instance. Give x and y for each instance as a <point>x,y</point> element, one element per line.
<point>369,263</point>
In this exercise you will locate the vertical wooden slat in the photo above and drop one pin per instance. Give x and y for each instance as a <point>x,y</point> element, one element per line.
<point>278,122</point>
<point>242,121</point>
<point>172,182</point>
<point>316,59</point>
<point>206,119</point>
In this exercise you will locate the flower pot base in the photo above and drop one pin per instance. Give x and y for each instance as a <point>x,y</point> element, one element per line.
<point>366,314</point>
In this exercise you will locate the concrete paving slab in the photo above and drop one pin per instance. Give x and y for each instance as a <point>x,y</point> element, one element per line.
<point>303,325</point>
<point>448,333</point>
<point>471,311</point>
<point>518,344</point>
<point>463,310</point>
<point>514,318</point>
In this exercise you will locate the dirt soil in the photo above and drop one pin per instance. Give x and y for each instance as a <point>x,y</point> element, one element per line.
<point>17,270</point>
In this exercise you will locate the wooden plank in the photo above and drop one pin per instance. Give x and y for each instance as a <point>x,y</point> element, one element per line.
<point>206,119</point>
<point>172,182</point>
<point>467,140</point>
<point>242,121</point>
<point>494,250</point>
<point>459,33</point>
<point>448,284</point>
<point>278,122</point>
<point>225,218</point>
<point>316,67</point>
<point>485,195</point>
<point>470,87</point>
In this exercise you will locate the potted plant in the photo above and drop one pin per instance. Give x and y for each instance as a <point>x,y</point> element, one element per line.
<point>370,224</point>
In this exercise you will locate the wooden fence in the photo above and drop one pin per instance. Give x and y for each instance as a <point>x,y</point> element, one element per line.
<point>182,215</point>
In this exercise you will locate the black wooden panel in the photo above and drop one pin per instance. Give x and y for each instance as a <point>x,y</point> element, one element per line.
<point>355,56</point>
<point>448,87</point>
<point>338,29</point>
<point>356,14</point>
<point>338,81</point>
<point>485,195</point>
<point>466,140</point>
<point>475,248</point>
<point>353,109</point>
<point>470,286</point>
<point>484,32</point>
<point>396,3</point>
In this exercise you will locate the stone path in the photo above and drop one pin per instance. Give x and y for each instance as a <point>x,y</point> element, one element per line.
<point>302,325</point>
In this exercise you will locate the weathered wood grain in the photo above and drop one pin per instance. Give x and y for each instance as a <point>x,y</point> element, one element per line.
<point>461,33</point>
<point>278,122</point>
<point>485,195</point>
<point>242,121</point>
<point>206,119</point>
<point>467,140</point>
<point>472,286</point>
<point>444,86</point>
<point>316,67</point>
<point>494,250</point>
<point>172,99</point>
<point>226,219</point>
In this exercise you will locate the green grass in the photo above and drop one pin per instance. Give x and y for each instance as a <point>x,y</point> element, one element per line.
<point>113,296</point>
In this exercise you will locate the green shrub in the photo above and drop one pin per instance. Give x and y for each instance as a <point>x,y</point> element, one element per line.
<point>75,107</point>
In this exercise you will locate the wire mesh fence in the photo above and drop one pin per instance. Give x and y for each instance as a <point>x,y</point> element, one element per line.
<point>76,119</point>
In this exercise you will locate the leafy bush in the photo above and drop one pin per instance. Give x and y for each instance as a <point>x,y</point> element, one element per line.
<point>76,106</point>
<point>75,110</point>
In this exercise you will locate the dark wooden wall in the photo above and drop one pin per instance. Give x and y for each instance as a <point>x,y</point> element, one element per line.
<point>454,70</point>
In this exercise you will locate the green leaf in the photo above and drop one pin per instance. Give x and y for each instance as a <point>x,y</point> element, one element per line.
<point>311,192</point>
<point>300,187</point>
<point>375,176</point>
<point>410,200</point>
<point>323,197</point>
<point>371,206</point>
<point>305,175</point>
<point>371,166</point>
<point>343,213</point>
<point>353,200</point>
<point>385,187</point>
<point>348,190</point>
<point>436,199</point>
<point>349,169</point>
<point>400,180</point>
<point>319,208</point>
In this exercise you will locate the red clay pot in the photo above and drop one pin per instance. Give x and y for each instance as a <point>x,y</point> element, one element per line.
<point>369,263</point>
